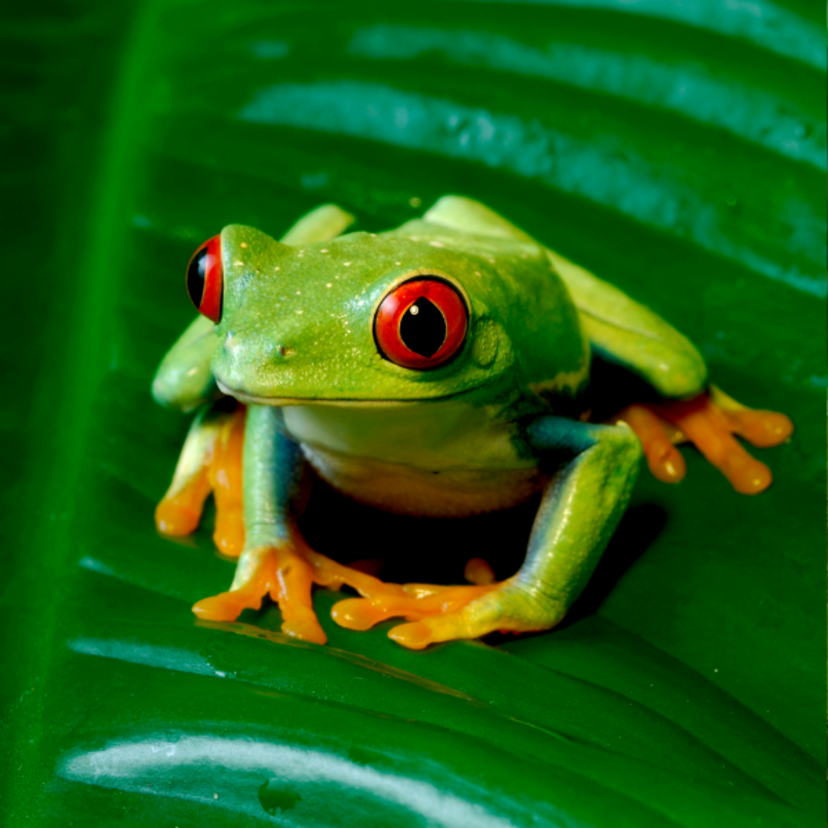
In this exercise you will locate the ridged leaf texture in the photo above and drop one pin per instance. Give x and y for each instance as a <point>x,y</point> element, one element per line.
<point>675,148</point>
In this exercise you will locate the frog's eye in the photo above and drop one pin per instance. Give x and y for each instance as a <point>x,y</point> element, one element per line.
<point>421,324</point>
<point>205,279</point>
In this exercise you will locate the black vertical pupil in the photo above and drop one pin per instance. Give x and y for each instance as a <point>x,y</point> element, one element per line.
<point>423,328</point>
<point>196,274</point>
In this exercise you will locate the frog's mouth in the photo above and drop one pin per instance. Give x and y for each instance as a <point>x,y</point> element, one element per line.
<point>252,399</point>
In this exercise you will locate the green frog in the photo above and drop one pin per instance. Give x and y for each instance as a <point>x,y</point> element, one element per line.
<point>438,369</point>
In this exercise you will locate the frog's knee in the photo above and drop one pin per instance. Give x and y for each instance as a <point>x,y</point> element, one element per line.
<point>682,375</point>
<point>470,216</point>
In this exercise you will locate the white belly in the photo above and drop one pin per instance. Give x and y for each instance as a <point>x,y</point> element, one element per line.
<point>433,459</point>
<point>406,490</point>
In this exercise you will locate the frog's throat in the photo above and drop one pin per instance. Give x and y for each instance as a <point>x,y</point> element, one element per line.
<point>252,399</point>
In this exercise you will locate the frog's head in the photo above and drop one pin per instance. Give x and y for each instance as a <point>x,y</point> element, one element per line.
<point>365,318</point>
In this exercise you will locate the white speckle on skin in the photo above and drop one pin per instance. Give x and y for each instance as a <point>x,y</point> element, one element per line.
<point>300,253</point>
<point>239,264</point>
<point>477,273</point>
<point>492,261</point>
<point>324,251</point>
<point>277,268</point>
<point>347,264</point>
<point>300,311</point>
<point>398,264</point>
<point>436,244</point>
<point>298,292</point>
<point>329,284</point>
<point>372,235</point>
<point>243,244</point>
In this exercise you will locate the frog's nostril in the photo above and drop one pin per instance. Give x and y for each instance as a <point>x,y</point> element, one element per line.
<point>285,351</point>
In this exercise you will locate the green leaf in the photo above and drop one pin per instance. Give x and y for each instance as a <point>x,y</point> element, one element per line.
<point>677,149</point>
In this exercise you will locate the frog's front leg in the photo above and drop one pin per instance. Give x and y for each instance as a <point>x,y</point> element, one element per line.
<point>581,506</point>
<point>276,560</point>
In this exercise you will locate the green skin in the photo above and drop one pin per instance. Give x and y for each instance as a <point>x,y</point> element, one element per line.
<point>484,431</point>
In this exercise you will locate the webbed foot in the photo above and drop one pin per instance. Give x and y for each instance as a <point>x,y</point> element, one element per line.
<point>446,613</point>
<point>282,572</point>
<point>286,572</point>
<point>709,421</point>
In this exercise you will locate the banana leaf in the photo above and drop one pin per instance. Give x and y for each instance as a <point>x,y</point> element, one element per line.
<point>675,148</point>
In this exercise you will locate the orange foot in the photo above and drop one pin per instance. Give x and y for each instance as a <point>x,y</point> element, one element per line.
<point>284,574</point>
<point>211,461</point>
<point>445,613</point>
<point>708,421</point>
<point>287,573</point>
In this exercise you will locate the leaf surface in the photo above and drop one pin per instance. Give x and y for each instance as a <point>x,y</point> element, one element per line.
<point>677,149</point>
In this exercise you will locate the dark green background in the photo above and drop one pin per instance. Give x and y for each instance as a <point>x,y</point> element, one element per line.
<point>678,149</point>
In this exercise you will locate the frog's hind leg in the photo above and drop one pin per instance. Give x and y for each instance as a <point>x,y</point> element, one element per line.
<point>179,512</point>
<point>470,216</point>
<point>224,473</point>
<point>321,224</point>
<point>210,461</point>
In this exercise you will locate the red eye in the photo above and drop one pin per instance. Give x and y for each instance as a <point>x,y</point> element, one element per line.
<point>421,324</point>
<point>205,279</point>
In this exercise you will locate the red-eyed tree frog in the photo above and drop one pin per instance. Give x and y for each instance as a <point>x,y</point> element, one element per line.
<point>439,369</point>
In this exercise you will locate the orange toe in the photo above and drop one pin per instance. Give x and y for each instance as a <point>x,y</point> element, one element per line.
<point>663,458</point>
<point>229,533</point>
<point>761,428</point>
<point>479,572</point>
<point>414,636</point>
<point>746,474</point>
<point>305,625</point>
<point>180,513</point>
<point>226,606</point>
<point>358,614</point>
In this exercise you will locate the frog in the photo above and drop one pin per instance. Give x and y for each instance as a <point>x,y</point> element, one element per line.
<point>438,369</point>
